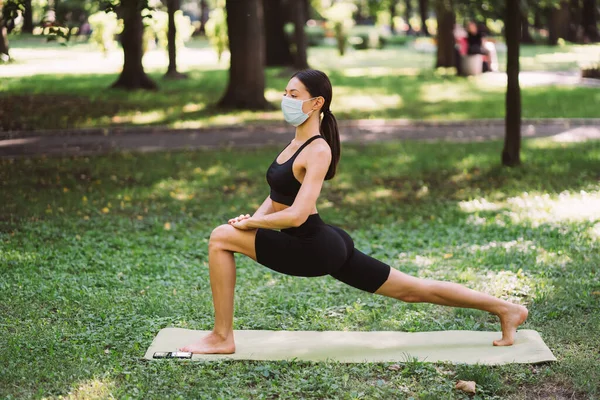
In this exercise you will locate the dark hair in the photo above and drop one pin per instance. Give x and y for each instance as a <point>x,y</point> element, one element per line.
<point>318,84</point>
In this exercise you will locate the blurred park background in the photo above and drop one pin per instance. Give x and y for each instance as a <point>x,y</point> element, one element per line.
<point>104,225</point>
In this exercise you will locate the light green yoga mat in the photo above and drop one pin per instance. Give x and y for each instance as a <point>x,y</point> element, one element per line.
<point>382,346</point>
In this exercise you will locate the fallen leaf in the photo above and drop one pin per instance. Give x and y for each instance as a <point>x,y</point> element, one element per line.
<point>449,255</point>
<point>595,293</point>
<point>105,210</point>
<point>394,367</point>
<point>466,386</point>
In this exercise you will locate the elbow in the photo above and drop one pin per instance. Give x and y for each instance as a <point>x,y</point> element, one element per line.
<point>298,219</point>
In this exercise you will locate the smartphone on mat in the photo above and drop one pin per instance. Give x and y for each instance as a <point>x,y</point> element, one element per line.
<point>172,354</point>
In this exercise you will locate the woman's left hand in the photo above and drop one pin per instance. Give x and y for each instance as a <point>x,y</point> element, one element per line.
<point>241,224</point>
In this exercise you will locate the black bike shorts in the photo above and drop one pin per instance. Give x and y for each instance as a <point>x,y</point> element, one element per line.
<point>316,249</point>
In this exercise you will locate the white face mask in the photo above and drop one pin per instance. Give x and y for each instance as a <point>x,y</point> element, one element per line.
<point>292,110</point>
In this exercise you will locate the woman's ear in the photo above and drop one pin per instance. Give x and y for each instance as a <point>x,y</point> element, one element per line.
<point>320,101</point>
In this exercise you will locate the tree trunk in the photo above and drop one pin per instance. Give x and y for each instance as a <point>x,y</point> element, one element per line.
<point>204,12</point>
<point>525,34</point>
<point>172,73</point>
<point>278,45</point>
<point>553,30</point>
<point>589,21</point>
<point>423,11</point>
<point>27,17</point>
<point>512,139</point>
<point>4,56</point>
<point>445,34</point>
<point>246,88</point>
<point>300,18</point>
<point>562,21</point>
<point>407,13</point>
<point>133,75</point>
<point>573,29</point>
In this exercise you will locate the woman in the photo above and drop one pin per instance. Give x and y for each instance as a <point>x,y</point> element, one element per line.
<point>307,246</point>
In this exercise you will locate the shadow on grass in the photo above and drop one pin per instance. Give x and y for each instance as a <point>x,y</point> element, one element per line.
<point>55,101</point>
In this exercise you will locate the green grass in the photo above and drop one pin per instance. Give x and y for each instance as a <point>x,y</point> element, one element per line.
<point>389,83</point>
<point>90,270</point>
<point>76,101</point>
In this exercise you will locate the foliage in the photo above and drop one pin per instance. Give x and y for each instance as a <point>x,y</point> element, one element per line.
<point>105,26</point>
<point>98,253</point>
<point>339,17</point>
<point>216,30</point>
<point>158,27</point>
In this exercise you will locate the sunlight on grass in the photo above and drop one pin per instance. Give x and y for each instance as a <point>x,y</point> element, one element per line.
<point>140,118</point>
<point>7,256</point>
<point>594,232</point>
<point>193,107</point>
<point>539,209</point>
<point>516,287</point>
<point>436,92</point>
<point>365,102</point>
<point>567,206</point>
<point>92,389</point>
<point>379,71</point>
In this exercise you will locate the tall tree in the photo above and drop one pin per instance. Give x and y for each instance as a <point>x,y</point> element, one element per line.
<point>423,11</point>
<point>589,20</point>
<point>133,75</point>
<point>512,138</point>
<point>27,17</point>
<point>445,33</point>
<point>172,73</point>
<point>407,15</point>
<point>246,88</point>
<point>277,46</point>
<point>300,39</point>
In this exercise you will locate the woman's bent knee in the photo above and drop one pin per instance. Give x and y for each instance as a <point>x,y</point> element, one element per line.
<point>219,236</point>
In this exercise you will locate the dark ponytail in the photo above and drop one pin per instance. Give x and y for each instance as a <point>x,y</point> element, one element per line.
<point>318,84</point>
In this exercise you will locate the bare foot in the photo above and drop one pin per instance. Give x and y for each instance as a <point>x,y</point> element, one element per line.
<point>212,344</point>
<point>510,320</point>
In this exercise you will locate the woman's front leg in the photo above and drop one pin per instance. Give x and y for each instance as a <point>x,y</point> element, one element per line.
<point>223,243</point>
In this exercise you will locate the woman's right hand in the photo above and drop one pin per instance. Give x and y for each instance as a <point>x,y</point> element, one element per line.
<point>239,218</point>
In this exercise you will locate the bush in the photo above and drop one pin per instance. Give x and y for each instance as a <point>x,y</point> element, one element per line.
<point>394,40</point>
<point>105,26</point>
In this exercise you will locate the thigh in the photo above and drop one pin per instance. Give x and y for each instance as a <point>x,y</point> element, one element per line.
<point>233,239</point>
<point>316,254</point>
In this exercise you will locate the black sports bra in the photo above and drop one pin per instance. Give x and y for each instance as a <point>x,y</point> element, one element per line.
<point>281,179</point>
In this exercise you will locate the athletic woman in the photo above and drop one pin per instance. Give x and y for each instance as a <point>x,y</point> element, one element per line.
<point>287,234</point>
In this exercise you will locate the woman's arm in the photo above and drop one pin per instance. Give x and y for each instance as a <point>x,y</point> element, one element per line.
<point>265,208</point>
<point>317,166</point>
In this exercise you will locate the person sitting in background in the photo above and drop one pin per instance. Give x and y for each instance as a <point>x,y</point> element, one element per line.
<point>476,44</point>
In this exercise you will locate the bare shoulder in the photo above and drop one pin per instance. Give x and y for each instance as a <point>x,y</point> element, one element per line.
<point>320,150</point>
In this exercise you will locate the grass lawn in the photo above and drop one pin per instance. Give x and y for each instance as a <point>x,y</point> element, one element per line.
<point>97,254</point>
<point>54,87</point>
